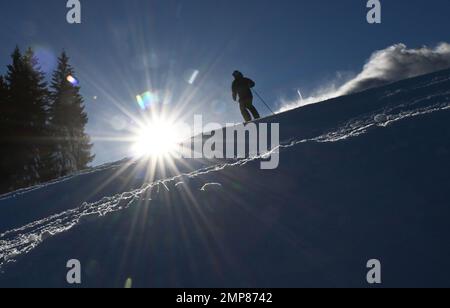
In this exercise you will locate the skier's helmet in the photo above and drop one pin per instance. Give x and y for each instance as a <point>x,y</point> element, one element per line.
<point>237,74</point>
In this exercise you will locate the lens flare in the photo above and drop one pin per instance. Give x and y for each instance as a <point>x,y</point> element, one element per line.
<point>129,283</point>
<point>72,80</point>
<point>147,99</point>
<point>193,77</point>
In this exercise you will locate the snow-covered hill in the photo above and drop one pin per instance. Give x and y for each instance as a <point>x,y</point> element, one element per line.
<point>361,177</point>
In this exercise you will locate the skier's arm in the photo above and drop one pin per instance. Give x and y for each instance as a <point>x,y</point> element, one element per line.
<point>233,89</point>
<point>251,83</point>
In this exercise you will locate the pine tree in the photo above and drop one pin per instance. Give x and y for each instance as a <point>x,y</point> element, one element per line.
<point>3,106</point>
<point>3,101</point>
<point>3,88</point>
<point>26,114</point>
<point>12,160</point>
<point>71,145</point>
<point>4,179</point>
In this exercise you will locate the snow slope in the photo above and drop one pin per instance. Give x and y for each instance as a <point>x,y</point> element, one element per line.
<point>361,177</point>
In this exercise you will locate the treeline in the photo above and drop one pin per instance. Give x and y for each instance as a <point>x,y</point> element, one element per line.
<point>42,126</point>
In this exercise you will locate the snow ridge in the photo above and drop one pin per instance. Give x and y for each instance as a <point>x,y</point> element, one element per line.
<point>386,116</point>
<point>22,191</point>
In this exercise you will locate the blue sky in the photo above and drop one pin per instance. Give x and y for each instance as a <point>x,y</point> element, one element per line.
<point>124,48</point>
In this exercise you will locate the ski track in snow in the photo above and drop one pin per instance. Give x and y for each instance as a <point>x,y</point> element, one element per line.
<point>384,117</point>
<point>208,185</point>
<point>20,241</point>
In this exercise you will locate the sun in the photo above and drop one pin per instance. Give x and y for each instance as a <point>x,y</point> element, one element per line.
<point>159,137</point>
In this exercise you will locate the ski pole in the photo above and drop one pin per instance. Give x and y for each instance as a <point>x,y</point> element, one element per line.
<point>262,100</point>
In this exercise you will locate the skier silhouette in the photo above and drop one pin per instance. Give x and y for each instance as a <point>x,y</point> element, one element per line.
<point>242,87</point>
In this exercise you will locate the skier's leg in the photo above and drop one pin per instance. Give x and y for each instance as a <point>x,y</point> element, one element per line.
<point>255,112</point>
<point>245,113</point>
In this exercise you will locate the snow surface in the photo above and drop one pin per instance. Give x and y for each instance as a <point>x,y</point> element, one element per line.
<point>361,177</point>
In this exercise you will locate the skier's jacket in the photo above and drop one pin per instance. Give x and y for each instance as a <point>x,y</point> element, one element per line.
<point>242,87</point>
